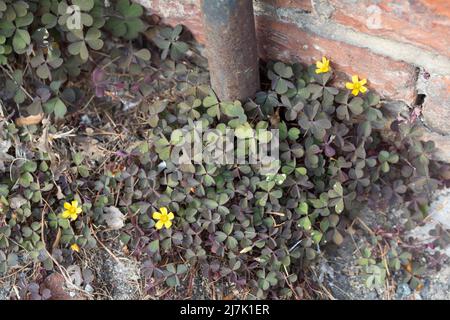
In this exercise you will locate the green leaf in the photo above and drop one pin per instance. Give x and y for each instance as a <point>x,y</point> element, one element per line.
<point>43,71</point>
<point>143,54</point>
<point>132,11</point>
<point>64,223</point>
<point>373,99</point>
<point>154,246</point>
<point>231,243</point>
<point>56,106</point>
<point>294,133</point>
<point>281,86</point>
<point>26,179</point>
<point>244,131</point>
<point>7,28</point>
<point>221,236</point>
<point>356,105</point>
<point>181,269</point>
<point>178,49</point>
<point>83,171</point>
<point>263,284</point>
<point>60,109</point>
<point>77,158</point>
<point>305,223</point>
<point>133,28</point>
<point>210,101</point>
<point>303,208</point>
<point>21,40</point>
<point>85,5</point>
<point>383,156</point>
<point>339,207</point>
<point>29,166</point>
<point>232,109</point>
<point>172,281</point>
<point>24,21</point>
<point>337,187</point>
<point>316,236</point>
<point>210,204</point>
<point>283,70</point>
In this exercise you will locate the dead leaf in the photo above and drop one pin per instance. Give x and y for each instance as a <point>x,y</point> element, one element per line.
<point>4,156</point>
<point>30,120</point>
<point>60,195</point>
<point>114,218</point>
<point>57,239</point>
<point>74,272</point>
<point>17,202</point>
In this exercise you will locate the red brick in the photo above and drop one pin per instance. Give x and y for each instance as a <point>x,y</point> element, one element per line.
<point>436,109</point>
<point>185,12</point>
<point>423,23</point>
<point>293,4</point>
<point>288,43</point>
<point>188,13</point>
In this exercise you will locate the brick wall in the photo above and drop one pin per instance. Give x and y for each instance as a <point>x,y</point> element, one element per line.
<point>401,46</point>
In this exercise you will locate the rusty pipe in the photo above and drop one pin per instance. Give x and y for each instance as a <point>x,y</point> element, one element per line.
<point>231,48</point>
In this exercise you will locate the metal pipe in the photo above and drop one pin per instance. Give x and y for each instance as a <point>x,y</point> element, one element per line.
<point>231,48</point>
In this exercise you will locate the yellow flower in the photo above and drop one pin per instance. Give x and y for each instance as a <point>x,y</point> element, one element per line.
<point>72,210</point>
<point>75,247</point>
<point>356,85</point>
<point>323,66</point>
<point>164,218</point>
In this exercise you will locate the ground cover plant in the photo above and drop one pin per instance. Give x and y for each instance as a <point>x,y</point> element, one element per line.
<point>89,118</point>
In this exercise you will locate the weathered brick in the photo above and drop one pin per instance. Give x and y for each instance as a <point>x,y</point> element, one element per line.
<point>185,12</point>
<point>304,5</point>
<point>436,108</point>
<point>287,42</point>
<point>423,23</point>
<point>188,12</point>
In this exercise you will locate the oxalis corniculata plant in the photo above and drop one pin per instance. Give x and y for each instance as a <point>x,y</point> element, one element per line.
<point>231,222</point>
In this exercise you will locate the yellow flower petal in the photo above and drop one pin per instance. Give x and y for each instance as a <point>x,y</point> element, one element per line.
<point>363,89</point>
<point>355,79</point>
<point>171,216</point>
<point>168,224</point>
<point>325,61</point>
<point>319,64</point>
<point>159,225</point>
<point>163,210</point>
<point>75,203</point>
<point>349,85</point>
<point>75,247</point>
<point>65,214</point>
<point>156,215</point>
<point>363,82</point>
<point>67,205</point>
<point>78,210</point>
<point>355,92</point>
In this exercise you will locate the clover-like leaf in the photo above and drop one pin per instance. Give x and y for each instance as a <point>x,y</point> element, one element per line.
<point>127,24</point>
